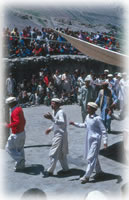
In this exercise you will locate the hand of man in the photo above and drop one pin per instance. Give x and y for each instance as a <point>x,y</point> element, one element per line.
<point>47,131</point>
<point>71,123</point>
<point>48,116</point>
<point>105,146</point>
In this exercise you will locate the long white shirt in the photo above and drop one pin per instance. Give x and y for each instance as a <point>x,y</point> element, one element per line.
<point>10,85</point>
<point>95,129</point>
<point>60,140</point>
<point>123,90</point>
<point>57,79</point>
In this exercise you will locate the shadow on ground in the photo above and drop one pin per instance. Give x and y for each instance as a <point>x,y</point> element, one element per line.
<point>33,170</point>
<point>34,146</point>
<point>106,177</point>
<point>116,132</point>
<point>71,172</point>
<point>114,152</point>
<point>79,173</point>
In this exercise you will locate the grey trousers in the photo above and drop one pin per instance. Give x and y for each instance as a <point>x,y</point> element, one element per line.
<point>62,160</point>
<point>15,147</point>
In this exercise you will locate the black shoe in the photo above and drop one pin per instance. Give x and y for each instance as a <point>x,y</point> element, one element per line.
<point>109,130</point>
<point>20,166</point>
<point>47,174</point>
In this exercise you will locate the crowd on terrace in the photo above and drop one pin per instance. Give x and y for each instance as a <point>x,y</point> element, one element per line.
<point>34,42</point>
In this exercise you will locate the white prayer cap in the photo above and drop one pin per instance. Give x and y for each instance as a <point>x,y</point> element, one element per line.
<point>87,79</point>
<point>106,70</point>
<point>124,74</point>
<point>93,105</point>
<point>110,75</point>
<point>56,100</point>
<point>10,100</point>
<point>119,75</point>
<point>96,195</point>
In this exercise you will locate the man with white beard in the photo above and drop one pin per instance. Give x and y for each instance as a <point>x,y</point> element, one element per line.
<point>59,149</point>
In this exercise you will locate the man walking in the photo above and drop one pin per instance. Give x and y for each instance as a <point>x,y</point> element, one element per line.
<point>16,140</point>
<point>59,149</point>
<point>95,130</point>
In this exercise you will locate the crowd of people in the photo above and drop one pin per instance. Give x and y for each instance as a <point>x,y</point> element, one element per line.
<point>106,40</point>
<point>109,91</point>
<point>90,91</point>
<point>95,130</point>
<point>35,42</point>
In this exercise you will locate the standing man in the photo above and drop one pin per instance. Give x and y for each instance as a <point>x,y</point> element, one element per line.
<point>106,100</point>
<point>59,149</point>
<point>10,85</point>
<point>86,95</point>
<point>95,130</point>
<point>58,82</point>
<point>16,140</point>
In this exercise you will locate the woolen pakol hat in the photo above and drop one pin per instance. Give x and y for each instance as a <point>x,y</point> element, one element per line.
<point>110,75</point>
<point>87,79</point>
<point>56,100</point>
<point>93,105</point>
<point>106,70</point>
<point>119,75</point>
<point>10,100</point>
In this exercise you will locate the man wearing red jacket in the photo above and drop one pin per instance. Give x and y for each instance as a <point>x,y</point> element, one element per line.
<point>16,140</point>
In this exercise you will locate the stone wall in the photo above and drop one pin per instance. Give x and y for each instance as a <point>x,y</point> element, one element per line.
<point>25,67</point>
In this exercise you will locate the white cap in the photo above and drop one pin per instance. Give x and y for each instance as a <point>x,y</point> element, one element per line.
<point>10,100</point>
<point>110,75</point>
<point>106,70</point>
<point>56,100</point>
<point>96,195</point>
<point>124,74</point>
<point>87,79</point>
<point>119,75</point>
<point>93,105</point>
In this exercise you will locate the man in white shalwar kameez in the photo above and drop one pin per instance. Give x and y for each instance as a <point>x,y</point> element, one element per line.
<point>59,149</point>
<point>95,130</point>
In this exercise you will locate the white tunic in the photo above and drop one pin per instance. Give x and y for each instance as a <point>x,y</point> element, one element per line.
<point>95,130</point>
<point>60,141</point>
<point>10,83</point>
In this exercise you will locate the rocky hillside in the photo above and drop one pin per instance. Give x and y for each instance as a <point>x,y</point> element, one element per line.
<point>89,19</point>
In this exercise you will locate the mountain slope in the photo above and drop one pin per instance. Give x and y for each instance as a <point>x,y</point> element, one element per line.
<point>90,19</point>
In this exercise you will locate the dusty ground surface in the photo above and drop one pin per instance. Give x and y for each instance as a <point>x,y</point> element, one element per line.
<point>37,148</point>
